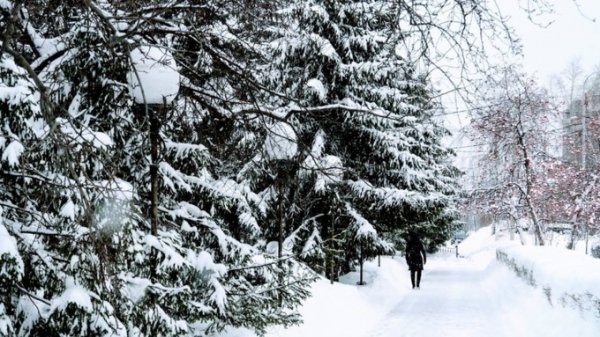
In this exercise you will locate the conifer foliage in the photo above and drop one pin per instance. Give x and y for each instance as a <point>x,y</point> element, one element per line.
<point>298,125</point>
<point>76,189</point>
<point>371,162</point>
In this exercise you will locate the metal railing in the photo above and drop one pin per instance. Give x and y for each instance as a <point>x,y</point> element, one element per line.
<point>450,250</point>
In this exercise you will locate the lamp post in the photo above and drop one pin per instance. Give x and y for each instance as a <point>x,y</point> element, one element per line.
<point>584,113</point>
<point>280,147</point>
<point>153,82</point>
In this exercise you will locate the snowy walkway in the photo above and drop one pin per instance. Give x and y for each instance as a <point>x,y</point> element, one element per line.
<point>469,297</point>
<point>451,302</point>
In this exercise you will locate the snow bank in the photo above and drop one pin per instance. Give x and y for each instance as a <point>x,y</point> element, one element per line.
<point>345,302</point>
<point>566,277</point>
<point>527,313</point>
<point>477,241</point>
<point>345,309</point>
<point>385,285</point>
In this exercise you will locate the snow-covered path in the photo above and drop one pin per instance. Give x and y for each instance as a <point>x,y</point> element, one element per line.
<point>452,302</point>
<point>475,296</point>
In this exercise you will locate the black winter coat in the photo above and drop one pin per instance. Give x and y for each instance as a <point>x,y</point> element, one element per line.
<point>415,255</point>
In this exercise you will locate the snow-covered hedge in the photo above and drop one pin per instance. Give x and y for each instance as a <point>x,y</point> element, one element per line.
<point>567,278</point>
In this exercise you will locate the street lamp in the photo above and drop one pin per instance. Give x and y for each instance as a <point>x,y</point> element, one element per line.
<point>153,83</point>
<point>584,142</point>
<point>280,147</point>
<point>584,113</point>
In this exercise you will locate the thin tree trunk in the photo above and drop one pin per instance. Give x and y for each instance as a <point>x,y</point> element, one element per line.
<point>332,255</point>
<point>536,224</point>
<point>512,230</point>
<point>154,140</point>
<point>281,224</point>
<point>361,282</point>
<point>280,241</point>
<point>573,237</point>
<point>528,185</point>
<point>579,207</point>
<point>587,238</point>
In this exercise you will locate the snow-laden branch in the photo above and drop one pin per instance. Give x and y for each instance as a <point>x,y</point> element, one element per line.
<point>578,209</point>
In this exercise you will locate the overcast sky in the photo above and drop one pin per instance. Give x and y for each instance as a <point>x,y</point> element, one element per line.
<point>573,33</point>
<point>547,51</point>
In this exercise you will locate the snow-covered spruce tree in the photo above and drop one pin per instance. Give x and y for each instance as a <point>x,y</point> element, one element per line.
<point>369,156</point>
<point>78,257</point>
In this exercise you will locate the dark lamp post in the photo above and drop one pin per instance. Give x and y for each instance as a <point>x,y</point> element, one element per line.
<point>153,83</point>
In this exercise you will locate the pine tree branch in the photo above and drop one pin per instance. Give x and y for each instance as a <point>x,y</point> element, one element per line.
<point>102,14</point>
<point>280,287</point>
<point>273,262</point>
<point>46,103</point>
<point>46,233</point>
<point>32,296</point>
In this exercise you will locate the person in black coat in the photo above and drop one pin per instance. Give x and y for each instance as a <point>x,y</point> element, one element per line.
<point>415,258</point>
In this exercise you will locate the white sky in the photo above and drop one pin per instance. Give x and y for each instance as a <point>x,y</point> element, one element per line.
<point>547,51</point>
<point>572,34</point>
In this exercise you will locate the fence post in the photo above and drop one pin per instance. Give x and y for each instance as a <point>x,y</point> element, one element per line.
<point>456,251</point>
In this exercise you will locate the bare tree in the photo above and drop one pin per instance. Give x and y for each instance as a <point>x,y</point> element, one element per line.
<point>566,83</point>
<point>514,124</point>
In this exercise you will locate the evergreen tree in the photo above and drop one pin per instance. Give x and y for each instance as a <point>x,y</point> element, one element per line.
<point>370,159</point>
<point>76,177</point>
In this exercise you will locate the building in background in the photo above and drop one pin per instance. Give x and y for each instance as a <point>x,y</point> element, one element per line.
<point>576,133</point>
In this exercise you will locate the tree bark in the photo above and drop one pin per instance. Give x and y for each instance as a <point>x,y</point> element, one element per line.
<point>528,182</point>
<point>579,204</point>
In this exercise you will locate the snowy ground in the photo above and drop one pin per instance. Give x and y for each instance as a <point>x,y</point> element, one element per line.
<point>470,296</point>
